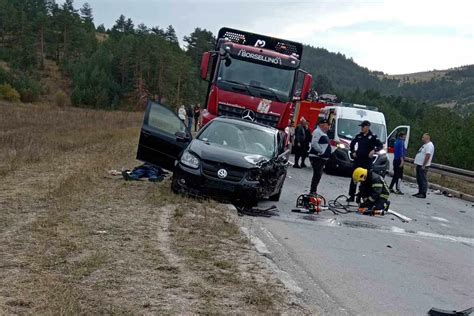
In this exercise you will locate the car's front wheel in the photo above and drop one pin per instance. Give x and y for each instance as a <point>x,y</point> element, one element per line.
<point>276,197</point>
<point>174,185</point>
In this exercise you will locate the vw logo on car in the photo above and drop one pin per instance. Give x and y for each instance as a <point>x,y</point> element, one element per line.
<point>248,115</point>
<point>222,173</point>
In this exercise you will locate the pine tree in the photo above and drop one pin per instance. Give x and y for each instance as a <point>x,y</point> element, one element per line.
<point>170,35</point>
<point>129,26</point>
<point>101,28</point>
<point>86,16</point>
<point>119,25</point>
<point>142,29</point>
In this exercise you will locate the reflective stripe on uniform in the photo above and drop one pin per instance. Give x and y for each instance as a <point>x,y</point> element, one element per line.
<point>371,199</point>
<point>377,185</point>
<point>384,196</point>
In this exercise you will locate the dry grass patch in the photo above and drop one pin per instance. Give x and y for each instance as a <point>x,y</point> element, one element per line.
<point>75,240</point>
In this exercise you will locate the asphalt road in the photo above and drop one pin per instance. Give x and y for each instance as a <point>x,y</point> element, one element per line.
<point>356,264</point>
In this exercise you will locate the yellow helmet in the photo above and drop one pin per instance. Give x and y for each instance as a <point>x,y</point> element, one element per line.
<point>359,175</point>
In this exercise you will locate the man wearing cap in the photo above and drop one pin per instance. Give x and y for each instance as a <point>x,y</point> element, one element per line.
<point>363,147</point>
<point>319,152</point>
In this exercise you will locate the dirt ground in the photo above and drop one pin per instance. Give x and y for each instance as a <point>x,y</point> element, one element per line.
<point>76,240</point>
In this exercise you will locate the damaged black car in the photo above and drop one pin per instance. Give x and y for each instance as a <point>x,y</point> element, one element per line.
<point>230,159</point>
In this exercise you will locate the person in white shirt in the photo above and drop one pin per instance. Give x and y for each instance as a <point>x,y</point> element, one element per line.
<point>182,114</point>
<point>423,161</point>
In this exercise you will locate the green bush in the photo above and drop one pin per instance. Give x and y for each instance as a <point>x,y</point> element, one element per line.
<point>29,88</point>
<point>61,99</point>
<point>7,92</point>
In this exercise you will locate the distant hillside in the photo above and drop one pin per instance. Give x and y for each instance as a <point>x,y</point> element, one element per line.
<point>335,72</point>
<point>342,72</point>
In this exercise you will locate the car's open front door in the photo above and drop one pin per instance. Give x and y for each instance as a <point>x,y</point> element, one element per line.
<point>163,136</point>
<point>392,138</point>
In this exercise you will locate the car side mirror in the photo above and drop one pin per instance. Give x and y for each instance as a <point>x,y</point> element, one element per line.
<point>205,65</point>
<point>307,82</point>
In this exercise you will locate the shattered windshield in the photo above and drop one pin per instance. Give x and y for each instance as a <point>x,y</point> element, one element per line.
<point>275,80</point>
<point>241,138</point>
<point>348,129</point>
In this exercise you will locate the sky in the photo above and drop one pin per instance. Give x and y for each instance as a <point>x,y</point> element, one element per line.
<point>393,36</point>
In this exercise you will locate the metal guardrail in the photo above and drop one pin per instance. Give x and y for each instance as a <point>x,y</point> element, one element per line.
<point>448,172</point>
<point>461,174</point>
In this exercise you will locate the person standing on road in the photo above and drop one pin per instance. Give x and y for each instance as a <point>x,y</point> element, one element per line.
<point>423,161</point>
<point>398,162</point>
<point>319,153</point>
<point>182,114</point>
<point>363,148</point>
<point>197,114</point>
<point>190,115</point>
<point>290,131</point>
<point>306,144</point>
<point>300,138</point>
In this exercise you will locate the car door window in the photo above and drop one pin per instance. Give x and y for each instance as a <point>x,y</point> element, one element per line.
<point>165,120</point>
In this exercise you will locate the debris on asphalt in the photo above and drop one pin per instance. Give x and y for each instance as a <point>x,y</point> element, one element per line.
<point>388,246</point>
<point>442,312</point>
<point>256,211</point>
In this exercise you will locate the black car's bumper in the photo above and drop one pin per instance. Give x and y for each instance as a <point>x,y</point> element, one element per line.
<point>341,163</point>
<point>193,182</point>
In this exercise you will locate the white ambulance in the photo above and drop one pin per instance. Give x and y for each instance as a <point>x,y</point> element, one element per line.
<point>345,119</point>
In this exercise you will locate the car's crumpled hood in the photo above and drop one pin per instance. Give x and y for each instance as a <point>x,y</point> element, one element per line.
<point>222,155</point>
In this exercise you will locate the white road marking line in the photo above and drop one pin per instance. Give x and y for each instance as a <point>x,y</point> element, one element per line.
<point>399,230</point>
<point>256,242</point>
<point>270,235</point>
<point>283,276</point>
<point>441,219</point>
<point>401,216</point>
<point>402,231</point>
<point>447,237</point>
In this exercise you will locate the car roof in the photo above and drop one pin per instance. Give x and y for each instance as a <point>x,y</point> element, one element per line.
<point>242,122</point>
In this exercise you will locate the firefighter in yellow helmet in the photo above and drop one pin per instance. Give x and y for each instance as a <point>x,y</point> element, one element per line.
<point>373,190</point>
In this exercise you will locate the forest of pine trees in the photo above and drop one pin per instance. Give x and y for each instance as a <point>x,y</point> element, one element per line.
<point>121,67</point>
<point>108,68</point>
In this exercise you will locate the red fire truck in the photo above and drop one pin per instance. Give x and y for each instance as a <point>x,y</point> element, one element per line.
<point>253,77</point>
<point>309,109</point>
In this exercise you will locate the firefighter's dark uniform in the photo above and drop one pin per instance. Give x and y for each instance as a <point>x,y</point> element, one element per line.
<point>374,191</point>
<point>365,144</point>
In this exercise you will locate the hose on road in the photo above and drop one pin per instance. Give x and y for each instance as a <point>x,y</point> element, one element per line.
<point>339,205</point>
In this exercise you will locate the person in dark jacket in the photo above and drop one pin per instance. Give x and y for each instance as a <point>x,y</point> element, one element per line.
<point>398,161</point>
<point>319,153</point>
<point>363,147</point>
<point>189,115</point>
<point>300,141</point>
<point>197,115</point>
<point>373,190</point>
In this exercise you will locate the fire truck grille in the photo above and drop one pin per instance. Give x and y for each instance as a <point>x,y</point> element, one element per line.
<point>232,111</point>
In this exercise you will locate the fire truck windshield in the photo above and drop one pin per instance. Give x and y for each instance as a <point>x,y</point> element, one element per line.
<point>257,78</point>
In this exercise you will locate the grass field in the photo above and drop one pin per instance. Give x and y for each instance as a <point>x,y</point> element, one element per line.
<point>76,240</point>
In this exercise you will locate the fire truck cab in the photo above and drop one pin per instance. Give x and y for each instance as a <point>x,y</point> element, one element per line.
<point>253,77</point>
